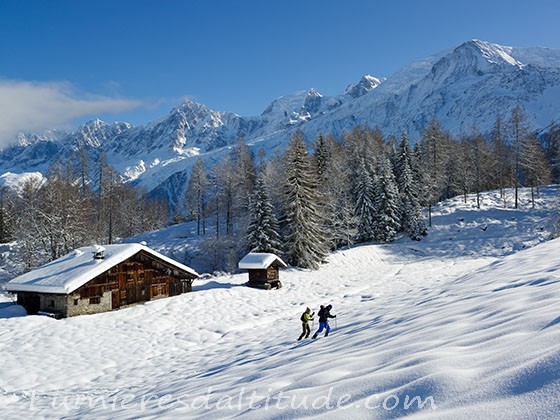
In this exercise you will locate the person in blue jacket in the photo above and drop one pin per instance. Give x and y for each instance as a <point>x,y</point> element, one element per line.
<point>324,315</point>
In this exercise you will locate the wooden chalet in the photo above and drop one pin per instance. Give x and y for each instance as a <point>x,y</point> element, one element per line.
<point>263,268</point>
<point>98,279</point>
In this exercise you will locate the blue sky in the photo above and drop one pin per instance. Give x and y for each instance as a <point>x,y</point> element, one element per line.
<point>65,62</point>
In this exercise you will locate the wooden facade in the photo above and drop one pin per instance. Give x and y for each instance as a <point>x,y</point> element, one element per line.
<point>268,278</point>
<point>140,278</point>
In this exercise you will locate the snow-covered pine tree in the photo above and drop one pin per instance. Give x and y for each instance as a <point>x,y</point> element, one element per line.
<point>412,221</point>
<point>366,144</point>
<point>364,193</point>
<point>273,176</point>
<point>387,204</point>
<point>8,215</point>
<point>335,188</point>
<point>321,158</point>
<point>262,232</point>
<point>420,176</point>
<point>303,223</point>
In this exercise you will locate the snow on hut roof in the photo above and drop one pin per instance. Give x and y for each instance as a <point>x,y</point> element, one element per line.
<point>259,261</point>
<point>75,269</point>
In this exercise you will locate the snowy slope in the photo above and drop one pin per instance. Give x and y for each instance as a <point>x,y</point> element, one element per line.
<point>464,87</point>
<point>461,321</point>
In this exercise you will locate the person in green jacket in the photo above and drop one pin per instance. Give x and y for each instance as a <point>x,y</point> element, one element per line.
<point>305,318</point>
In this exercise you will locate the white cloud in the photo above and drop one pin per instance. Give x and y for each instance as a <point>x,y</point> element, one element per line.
<point>39,106</point>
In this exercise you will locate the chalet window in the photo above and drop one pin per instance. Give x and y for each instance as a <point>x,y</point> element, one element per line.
<point>52,304</point>
<point>76,301</point>
<point>94,300</point>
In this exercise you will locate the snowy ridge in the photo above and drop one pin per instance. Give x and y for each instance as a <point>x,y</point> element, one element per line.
<point>470,331</point>
<point>16,182</point>
<point>463,88</point>
<point>496,54</point>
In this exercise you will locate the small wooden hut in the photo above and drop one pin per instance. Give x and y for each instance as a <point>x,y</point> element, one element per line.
<point>263,268</point>
<point>98,279</point>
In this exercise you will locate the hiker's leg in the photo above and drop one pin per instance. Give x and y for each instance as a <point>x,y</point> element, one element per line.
<point>303,330</point>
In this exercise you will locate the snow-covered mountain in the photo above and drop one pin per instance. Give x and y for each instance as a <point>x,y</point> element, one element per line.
<point>464,88</point>
<point>365,85</point>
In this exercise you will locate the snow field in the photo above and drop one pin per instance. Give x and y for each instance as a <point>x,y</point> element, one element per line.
<point>460,321</point>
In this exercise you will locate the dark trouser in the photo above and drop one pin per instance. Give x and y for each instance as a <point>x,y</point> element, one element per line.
<point>305,330</point>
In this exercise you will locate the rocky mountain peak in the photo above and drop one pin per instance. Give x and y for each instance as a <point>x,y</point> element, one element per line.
<point>366,84</point>
<point>474,58</point>
<point>493,53</point>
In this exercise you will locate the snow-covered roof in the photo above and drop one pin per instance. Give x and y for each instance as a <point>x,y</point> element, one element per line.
<point>259,261</point>
<point>75,269</point>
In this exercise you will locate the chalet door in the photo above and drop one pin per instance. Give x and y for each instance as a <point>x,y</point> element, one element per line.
<point>122,288</point>
<point>148,276</point>
<point>31,303</point>
<point>131,292</point>
<point>115,299</point>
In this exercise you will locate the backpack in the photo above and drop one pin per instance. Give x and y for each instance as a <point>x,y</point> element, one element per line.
<point>302,317</point>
